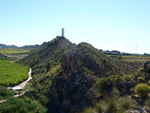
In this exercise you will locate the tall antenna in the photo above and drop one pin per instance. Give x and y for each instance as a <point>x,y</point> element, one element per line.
<point>62,32</point>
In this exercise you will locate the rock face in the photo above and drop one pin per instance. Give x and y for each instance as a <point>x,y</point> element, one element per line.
<point>147,68</point>
<point>124,87</point>
<point>138,110</point>
<point>72,89</point>
<point>85,59</point>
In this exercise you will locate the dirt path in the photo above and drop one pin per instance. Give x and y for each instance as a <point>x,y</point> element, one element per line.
<point>16,96</point>
<point>22,85</point>
<point>1,101</point>
<point>17,56</point>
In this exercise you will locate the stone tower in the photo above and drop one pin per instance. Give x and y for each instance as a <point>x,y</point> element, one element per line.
<point>62,32</point>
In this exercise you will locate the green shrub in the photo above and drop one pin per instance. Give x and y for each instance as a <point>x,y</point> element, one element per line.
<point>112,106</point>
<point>149,82</point>
<point>127,78</point>
<point>99,108</point>
<point>89,110</point>
<point>118,78</point>
<point>104,83</point>
<point>141,79</point>
<point>21,105</point>
<point>125,103</point>
<point>142,90</point>
<point>115,92</point>
<point>147,103</point>
<point>119,57</point>
<point>44,100</point>
<point>5,93</point>
<point>141,70</point>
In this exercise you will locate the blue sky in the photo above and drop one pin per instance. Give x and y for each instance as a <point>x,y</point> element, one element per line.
<point>106,24</point>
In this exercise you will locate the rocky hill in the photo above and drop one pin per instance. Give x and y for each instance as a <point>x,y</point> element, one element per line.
<point>7,46</point>
<point>47,55</point>
<point>65,73</point>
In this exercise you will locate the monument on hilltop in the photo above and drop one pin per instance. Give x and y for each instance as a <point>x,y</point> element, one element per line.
<point>62,32</point>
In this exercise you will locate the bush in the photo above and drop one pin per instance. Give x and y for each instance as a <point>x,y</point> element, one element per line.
<point>21,105</point>
<point>112,106</point>
<point>127,78</point>
<point>119,57</point>
<point>142,90</point>
<point>147,103</point>
<point>118,78</point>
<point>5,93</point>
<point>89,110</point>
<point>125,103</point>
<point>44,100</point>
<point>141,79</point>
<point>141,70</point>
<point>115,92</point>
<point>104,83</point>
<point>149,82</point>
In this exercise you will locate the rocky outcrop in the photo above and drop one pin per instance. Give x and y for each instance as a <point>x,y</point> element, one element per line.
<point>125,87</point>
<point>72,89</point>
<point>138,110</point>
<point>147,68</point>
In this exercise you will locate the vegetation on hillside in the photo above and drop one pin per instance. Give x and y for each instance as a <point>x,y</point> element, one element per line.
<point>48,55</point>
<point>5,93</point>
<point>12,73</point>
<point>66,74</point>
<point>111,105</point>
<point>21,105</point>
<point>69,78</point>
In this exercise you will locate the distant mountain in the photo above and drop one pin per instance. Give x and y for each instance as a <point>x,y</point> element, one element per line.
<point>65,73</point>
<point>30,46</point>
<point>3,45</point>
<point>8,46</point>
<point>22,47</point>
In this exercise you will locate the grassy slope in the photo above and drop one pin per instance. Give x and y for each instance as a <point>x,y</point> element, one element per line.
<point>21,105</point>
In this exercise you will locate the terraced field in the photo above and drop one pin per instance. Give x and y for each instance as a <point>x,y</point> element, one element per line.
<point>10,51</point>
<point>12,73</point>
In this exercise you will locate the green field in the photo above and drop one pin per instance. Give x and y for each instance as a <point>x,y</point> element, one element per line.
<point>131,57</point>
<point>136,57</point>
<point>12,73</point>
<point>14,51</point>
